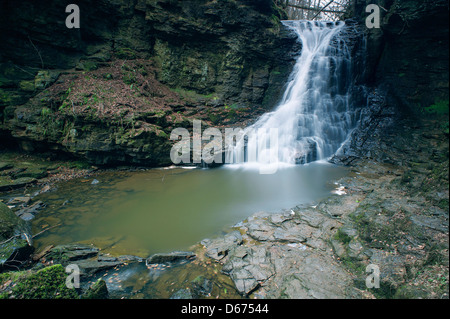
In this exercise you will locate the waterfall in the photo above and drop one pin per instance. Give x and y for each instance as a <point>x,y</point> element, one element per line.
<point>315,115</point>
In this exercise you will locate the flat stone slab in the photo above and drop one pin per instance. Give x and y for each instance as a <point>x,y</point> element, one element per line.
<point>17,183</point>
<point>218,248</point>
<point>172,257</point>
<point>72,252</point>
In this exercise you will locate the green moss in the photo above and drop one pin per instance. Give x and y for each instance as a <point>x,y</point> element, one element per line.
<point>342,237</point>
<point>89,66</point>
<point>126,54</point>
<point>163,134</point>
<point>386,291</point>
<point>97,291</point>
<point>47,283</point>
<point>439,108</point>
<point>354,265</point>
<point>214,118</point>
<point>27,86</point>
<point>129,78</point>
<point>77,164</point>
<point>46,112</point>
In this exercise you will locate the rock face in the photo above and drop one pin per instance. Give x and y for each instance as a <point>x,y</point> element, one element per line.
<point>409,53</point>
<point>205,55</point>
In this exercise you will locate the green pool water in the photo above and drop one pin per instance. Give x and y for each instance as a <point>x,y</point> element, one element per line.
<point>162,210</point>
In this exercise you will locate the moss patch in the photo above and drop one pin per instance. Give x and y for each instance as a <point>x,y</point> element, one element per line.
<point>47,283</point>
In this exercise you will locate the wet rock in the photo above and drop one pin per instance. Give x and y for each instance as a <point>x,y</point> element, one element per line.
<point>278,219</point>
<point>5,166</point>
<point>309,275</point>
<point>172,257</point>
<point>244,281</point>
<point>344,160</point>
<point>202,286</point>
<point>20,200</point>
<point>31,172</point>
<point>27,216</point>
<point>130,258</point>
<point>218,248</point>
<point>15,239</point>
<point>392,267</point>
<point>182,294</point>
<point>291,251</point>
<point>338,248</point>
<point>355,249</point>
<point>28,213</point>
<point>17,183</point>
<point>305,226</point>
<point>98,290</point>
<point>89,267</point>
<point>248,267</point>
<point>339,206</point>
<point>71,252</point>
<point>310,216</point>
<point>261,229</point>
<point>438,224</point>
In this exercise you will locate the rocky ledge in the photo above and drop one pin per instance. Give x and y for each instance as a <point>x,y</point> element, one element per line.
<point>391,211</point>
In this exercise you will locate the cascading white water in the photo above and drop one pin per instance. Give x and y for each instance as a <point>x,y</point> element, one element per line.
<point>314,116</point>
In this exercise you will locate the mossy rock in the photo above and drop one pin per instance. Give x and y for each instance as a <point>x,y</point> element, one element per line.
<point>45,78</point>
<point>126,54</point>
<point>5,166</point>
<point>14,232</point>
<point>34,173</point>
<point>47,283</point>
<point>410,292</point>
<point>98,290</point>
<point>7,184</point>
<point>10,224</point>
<point>13,252</point>
<point>88,65</point>
<point>27,86</point>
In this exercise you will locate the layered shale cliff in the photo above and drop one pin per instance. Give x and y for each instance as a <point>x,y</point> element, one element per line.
<point>408,54</point>
<point>111,91</point>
